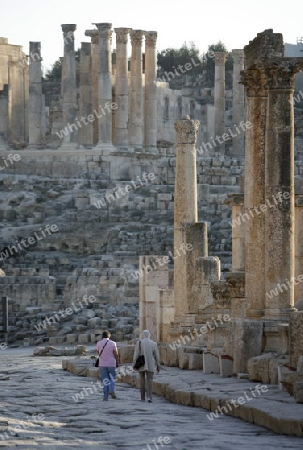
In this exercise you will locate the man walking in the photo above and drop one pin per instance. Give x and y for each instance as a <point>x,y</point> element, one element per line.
<point>149,349</point>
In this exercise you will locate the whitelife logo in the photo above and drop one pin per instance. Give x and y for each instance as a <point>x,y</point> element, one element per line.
<point>65,312</point>
<point>25,242</point>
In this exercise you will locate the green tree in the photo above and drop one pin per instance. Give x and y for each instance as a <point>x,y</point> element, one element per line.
<point>209,61</point>
<point>54,74</point>
<point>171,58</point>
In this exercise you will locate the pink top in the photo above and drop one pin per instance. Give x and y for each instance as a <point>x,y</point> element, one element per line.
<point>107,358</point>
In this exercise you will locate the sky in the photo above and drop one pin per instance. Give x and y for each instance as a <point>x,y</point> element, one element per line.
<point>234,22</point>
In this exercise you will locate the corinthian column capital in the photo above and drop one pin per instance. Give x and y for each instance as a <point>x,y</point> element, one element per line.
<point>94,35</point>
<point>136,37</point>
<point>187,131</point>
<point>105,30</point>
<point>151,38</point>
<point>220,57</point>
<point>122,35</point>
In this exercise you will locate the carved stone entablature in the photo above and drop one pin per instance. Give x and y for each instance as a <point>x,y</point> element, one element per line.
<point>187,131</point>
<point>122,35</point>
<point>281,73</point>
<point>275,73</point>
<point>136,37</point>
<point>264,46</point>
<point>151,38</point>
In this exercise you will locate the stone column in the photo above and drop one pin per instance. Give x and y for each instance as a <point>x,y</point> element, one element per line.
<point>238,102</point>
<point>279,185</point>
<point>238,237</point>
<point>17,103</point>
<point>85,102</point>
<point>185,207</point>
<point>136,106</point>
<point>298,295</point>
<point>121,88</point>
<point>254,81</point>
<point>69,88</point>
<point>105,88</point>
<point>4,117</point>
<point>219,102</point>
<point>94,35</point>
<point>150,105</point>
<point>35,95</point>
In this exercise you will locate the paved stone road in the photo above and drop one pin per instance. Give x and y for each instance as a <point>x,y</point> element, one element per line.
<point>32,385</point>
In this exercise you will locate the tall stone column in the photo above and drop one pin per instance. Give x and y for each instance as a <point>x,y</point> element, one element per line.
<point>4,118</point>
<point>121,87</point>
<point>85,106</point>
<point>105,88</point>
<point>254,81</point>
<point>137,113</point>
<point>94,35</point>
<point>298,295</point>
<point>35,95</point>
<point>150,105</point>
<point>238,102</point>
<point>18,103</point>
<point>279,185</point>
<point>185,207</point>
<point>238,237</point>
<point>219,101</point>
<point>69,88</point>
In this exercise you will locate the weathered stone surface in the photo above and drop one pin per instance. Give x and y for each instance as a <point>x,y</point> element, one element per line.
<point>296,337</point>
<point>212,392</point>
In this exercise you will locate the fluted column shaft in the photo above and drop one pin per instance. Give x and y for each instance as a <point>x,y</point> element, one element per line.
<point>279,185</point>
<point>137,112</point>
<point>85,106</point>
<point>254,192</point>
<point>35,94</point>
<point>238,101</point>
<point>105,87</point>
<point>185,207</point>
<point>94,35</point>
<point>69,87</point>
<point>121,87</point>
<point>150,113</point>
<point>219,101</point>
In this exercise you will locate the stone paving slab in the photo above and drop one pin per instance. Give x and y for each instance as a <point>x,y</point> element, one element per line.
<point>38,385</point>
<point>261,404</point>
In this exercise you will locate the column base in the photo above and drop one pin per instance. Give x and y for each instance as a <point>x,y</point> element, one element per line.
<point>105,148</point>
<point>3,145</point>
<point>36,146</point>
<point>255,313</point>
<point>69,146</point>
<point>153,150</point>
<point>124,148</point>
<point>279,314</point>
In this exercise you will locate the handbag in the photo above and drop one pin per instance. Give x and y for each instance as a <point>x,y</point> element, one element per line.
<point>140,361</point>
<point>97,360</point>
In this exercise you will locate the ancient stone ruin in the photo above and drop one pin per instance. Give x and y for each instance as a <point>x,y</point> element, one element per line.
<point>129,205</point>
